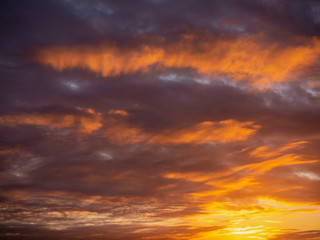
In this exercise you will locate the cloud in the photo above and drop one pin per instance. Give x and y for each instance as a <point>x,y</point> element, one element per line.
<point>245,58</point>
<point>83,123</point>
<point>246,175</point>
<point>223,132</point>
<point>308,235</point>
<point>113,231</point>
<point>159,119</point>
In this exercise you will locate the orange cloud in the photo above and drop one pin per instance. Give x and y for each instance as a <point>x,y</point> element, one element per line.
<point>246,176</point>
<point>223,131</point>
<point>118,112</point>
<point>9,151</point>
<point>88,125</point>
<point>285,160</point>
<point>51,120</point>
<point>244,58</point>
<point>250,172</point>
<point>122,134</point>
<point>266,152</point>
<point>84,124</point>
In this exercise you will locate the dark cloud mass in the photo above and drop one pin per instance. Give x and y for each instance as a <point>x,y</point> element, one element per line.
<point>159,119</point>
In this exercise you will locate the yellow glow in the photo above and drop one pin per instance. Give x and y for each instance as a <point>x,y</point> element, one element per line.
<point>260,218</point>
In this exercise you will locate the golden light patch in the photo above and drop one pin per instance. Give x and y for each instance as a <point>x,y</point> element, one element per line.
<point>255,218</point>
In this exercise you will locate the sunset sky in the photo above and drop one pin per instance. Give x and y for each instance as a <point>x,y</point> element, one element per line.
<point>160,119</point>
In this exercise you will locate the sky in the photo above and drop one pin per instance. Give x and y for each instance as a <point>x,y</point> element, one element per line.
<point>160,119</point>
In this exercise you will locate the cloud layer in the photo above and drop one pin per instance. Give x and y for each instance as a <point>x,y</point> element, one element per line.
<point>161,120</point>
